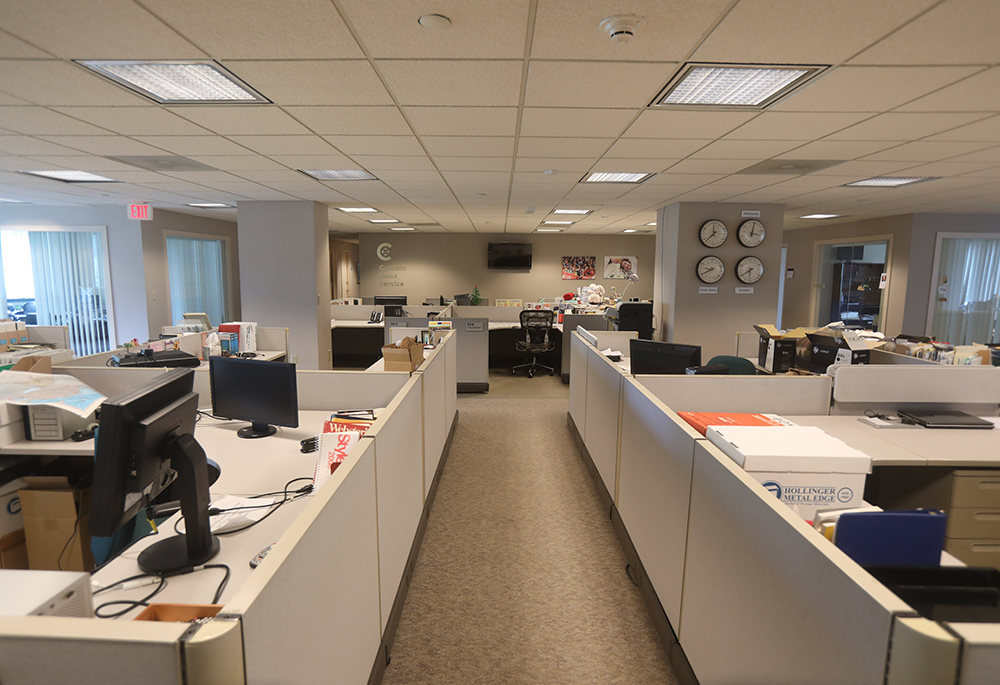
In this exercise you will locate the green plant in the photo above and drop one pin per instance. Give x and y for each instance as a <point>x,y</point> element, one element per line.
<point>475,297</point>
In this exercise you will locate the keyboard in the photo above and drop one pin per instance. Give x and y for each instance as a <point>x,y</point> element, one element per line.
<point>169,358</point>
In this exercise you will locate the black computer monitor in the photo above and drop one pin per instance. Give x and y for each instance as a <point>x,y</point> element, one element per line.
<point>263,393</point>
<point>145,438</point>
<point>650,356</point>
<point>391,299</point>
<point>394,310</point>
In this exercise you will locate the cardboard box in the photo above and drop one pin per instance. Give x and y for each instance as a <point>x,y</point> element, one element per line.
<point>406,355</point>
<point>13,551</point>
<point>56,511</point>
<point>34,364</point>
<point>8,334</point>
<point>22,332</point>
<point>800,465</point>
<point>10,506</point>
<point>776,350</point>
<point>832,348</point>
<point>178,613</point>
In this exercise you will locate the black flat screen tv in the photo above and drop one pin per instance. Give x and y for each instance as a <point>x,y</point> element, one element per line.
<point>509,256</point>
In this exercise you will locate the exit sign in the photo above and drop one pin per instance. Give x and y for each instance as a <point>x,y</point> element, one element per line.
<point>140,212</point>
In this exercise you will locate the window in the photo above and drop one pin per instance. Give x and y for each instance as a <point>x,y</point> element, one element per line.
<point>964,305</point>
<point>196,269</point>
<point>850,275</point>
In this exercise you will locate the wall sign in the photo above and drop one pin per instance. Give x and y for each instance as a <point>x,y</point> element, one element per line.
<point>140,212</point>
<point>750,214</point>
<point>708,290</point>
<point>743,290</point>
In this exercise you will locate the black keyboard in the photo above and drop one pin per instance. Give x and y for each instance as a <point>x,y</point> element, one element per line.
<point>166,358</point>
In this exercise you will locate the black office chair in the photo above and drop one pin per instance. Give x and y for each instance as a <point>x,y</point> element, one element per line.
<point>536,324</point>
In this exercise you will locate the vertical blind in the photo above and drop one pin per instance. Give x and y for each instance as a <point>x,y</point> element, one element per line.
<point>967,291</point>
<point>197,272</point>
<point>69,277</point>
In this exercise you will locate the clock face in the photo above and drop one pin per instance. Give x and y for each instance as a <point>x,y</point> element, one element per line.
<point>713,233</point>
<point>751,233</point>
<point>711,269</point>
<point>749,269</point>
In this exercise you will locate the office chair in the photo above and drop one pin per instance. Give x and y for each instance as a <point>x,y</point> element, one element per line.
<point>738,366</point>
<point>536,325</point>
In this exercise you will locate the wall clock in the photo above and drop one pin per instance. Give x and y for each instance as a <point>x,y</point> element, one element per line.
<point>713,233</point>
<point>711,269</point>
<point>749,270</point>
<point>751,233</point>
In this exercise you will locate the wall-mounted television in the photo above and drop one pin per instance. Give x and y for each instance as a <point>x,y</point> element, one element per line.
<point>509,256</point>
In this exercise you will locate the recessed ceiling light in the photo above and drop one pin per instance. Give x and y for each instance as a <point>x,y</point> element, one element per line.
<point>339,174</point>
<point>734,85</point>
<point>72,176</point>
<point>651,223</point>
<point>5,201</point>
<point>209,205</point>
<point>180,81</point>
<point>401,228</point>
<point>558,223</point>
<point>357,210</point>
<point>820,216</point>
<point>382,221</point>
<point>630,230</point>
<point>611,177</point>
<point>548,230</point>
<point>572,211</point>
<point>890,181</point>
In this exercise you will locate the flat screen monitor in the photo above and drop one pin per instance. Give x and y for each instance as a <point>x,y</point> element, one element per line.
<point>144,439</point>
<point>394,310</point>
<point>651,356</point>
<point>391,299</point>
<point>509,256</point>
<point>263,393</point>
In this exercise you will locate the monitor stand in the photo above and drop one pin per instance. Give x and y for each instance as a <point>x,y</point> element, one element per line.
<point>256,430</point>
<point>197,545</point>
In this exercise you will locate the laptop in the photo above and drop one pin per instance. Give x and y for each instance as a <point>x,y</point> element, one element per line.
<point>943,419</point>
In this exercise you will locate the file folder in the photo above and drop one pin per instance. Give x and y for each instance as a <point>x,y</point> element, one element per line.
<point>892,538</point>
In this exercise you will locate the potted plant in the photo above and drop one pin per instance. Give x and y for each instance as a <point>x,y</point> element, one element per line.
<point>475,297</point>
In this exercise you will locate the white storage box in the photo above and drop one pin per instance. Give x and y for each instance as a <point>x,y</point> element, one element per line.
<point>801,465</point>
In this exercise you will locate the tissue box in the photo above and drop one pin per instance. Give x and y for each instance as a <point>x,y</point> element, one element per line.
<point>406,355</point>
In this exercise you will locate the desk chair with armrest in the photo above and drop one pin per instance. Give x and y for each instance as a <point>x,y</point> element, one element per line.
<point>738,366</point>
<point>536,326</point>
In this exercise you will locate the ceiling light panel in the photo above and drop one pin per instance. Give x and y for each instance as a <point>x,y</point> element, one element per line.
<point>5,201</point>
<point>820,216</point>
<point>339,174</point>
<point>889,181</point>
<point>613,177</point>
<point>357,210</point>
<point>68,176</point>
<point>178,82</point>
<point>209,205</point>
<point>548,230</point>
<point>558,223</point>
<point>718,85</point>
<point>572,211</point>
<point>401,228</point>
<point>383,221</point>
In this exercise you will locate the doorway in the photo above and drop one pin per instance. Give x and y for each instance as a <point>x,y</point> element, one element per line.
<point>850,287</point>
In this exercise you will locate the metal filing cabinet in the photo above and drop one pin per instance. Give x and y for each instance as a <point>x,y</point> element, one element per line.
<point>973,532</point>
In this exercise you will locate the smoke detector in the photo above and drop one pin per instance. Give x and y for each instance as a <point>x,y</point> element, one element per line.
<point>621,27</point>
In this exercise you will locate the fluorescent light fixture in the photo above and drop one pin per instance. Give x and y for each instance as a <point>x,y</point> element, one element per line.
<point>890,181</point>
<point>382,221</point>
<point>72,176</point>
<point>734,85</point>
<point>630,230</point>
<point>339,174</point>
<point>611,177</point>
<point>548,230</point>
<point>820,216</point>
<point>357,210</point>
<point>557,223</point>
<point>572,211</point>
<point>651,223</point>
<point>5,201</point>
<point>209,205</point>
<point>178,81</point>
<point>402,228</point>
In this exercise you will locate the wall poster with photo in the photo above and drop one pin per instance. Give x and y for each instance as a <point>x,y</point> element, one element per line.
<point>620,267</point>
<point>579,268</point>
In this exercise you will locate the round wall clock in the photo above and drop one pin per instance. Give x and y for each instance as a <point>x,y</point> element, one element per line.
<point>711,269</point>
<point>713,233</point>
<point>751,233</point>
<point>749,269</point>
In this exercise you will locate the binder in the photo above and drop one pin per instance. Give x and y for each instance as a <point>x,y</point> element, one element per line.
<point>892,538</point>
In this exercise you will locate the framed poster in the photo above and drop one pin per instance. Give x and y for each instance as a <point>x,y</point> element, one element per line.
<point>579,268</point>
<point>620,267</point>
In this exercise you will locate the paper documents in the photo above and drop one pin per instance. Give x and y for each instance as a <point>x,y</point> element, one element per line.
<point>237,512</point>
<point>54,389</point>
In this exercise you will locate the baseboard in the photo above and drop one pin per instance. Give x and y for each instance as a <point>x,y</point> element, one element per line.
<point>607,501</point>
<point>378,668</point>
<point>473,387</point>
<point>565,378</point>
<point>436,479</point>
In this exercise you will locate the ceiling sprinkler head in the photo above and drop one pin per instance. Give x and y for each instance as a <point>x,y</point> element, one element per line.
<point>621,27</point>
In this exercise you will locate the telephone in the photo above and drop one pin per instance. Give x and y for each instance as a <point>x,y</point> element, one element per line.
<point>376,317</point>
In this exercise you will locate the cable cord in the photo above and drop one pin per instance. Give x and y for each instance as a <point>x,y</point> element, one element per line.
<point>161,583</point>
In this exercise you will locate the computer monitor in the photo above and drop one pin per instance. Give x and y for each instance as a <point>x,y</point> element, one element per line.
<point>650,356</point>
<point>390,299</point>
<point>394,310</point>
<point>263,393</point>
<point>144,439</point>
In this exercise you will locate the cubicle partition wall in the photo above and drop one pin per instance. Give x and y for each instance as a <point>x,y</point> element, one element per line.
<point>591,322</point>
<point>887,388</point>
<point>749,394</point>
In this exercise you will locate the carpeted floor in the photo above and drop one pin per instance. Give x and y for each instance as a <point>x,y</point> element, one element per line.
<point>520,578</point>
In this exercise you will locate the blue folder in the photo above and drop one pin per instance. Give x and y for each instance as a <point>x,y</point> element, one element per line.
<point>892,538</point>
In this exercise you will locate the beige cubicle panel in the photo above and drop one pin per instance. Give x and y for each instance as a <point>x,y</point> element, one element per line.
<point>437,422</point>
<point>310,611</point>
<point>980,660</point>
<point>743,394</point>
<point>766,598</point>
<point>579,350</point>
<point>889,387</point>
<point>111,381</point>
<point>600,431</point>
<point>654,484</point>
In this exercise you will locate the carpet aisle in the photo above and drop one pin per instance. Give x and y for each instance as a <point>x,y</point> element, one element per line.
<point>520,578</point>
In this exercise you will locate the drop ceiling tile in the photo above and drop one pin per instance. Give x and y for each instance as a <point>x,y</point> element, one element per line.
<point>469,146</point>
<point>580,123</point>
<point>113,146</point>
<point>42,121</point>
<point>473,163</point>
<point>98,29</point>
<point>92,163</point>
<point>314,82</point>
<point>405,187</point>
<point>376,145</point>
<point>148,120</point>
<point>489,83</point>
<point>956,32</point>
<point>15,48</point>
<point>675,123</point>
<point>463,121</point>
<point>904,126</point>
<point>189,146</point>
<point>570,29</point>
<point>377,163</point>
<point>572,166</point>
<point>979,93</point>
<point>587,148</point>
<point>406,176</point>
<point>595,84</point>
<point>857,170</point>
<point>257,29</point>
<point>923,151</point>
<point>870,89</point>
<point>949,168</point>
<point>247,120</point>
<point>988,155</point>
<point>795,125</point>
<point>31,147</point>
<point>286,145</point>
<point>526,182</point>
<point>50,82</point>
<point>269,177</point>
<point>985,131</point>
<point>480,29</point>
<point>247,162</point>
<point>744,149</point>
<point>708,166</point>
<point>352,120</point>
<point>838,149</point>
<point>628,148</point>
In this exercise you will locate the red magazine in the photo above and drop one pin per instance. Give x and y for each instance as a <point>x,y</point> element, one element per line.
<point>701,420</point>
<point>344,425</point>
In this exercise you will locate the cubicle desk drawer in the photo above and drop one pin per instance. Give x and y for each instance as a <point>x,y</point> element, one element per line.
<point>974,552</point>
<point>973,522</point>
<point>975,489</point>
